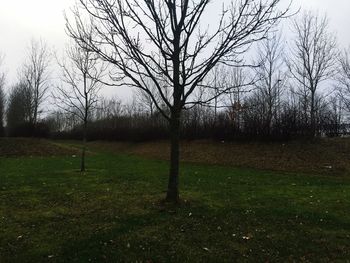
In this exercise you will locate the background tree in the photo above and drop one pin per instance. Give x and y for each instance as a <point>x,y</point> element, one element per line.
<point>271,79</point>
<point>165,42</point>
<point>241,83</point>
<point>145,100</point>
<point>35,72</point>
<point>2,97</point>
<point>106,109</point>
<point>331,116</point>
<point>81,84</point>
<point>344,78</point>
<point>212,92</point>
<point>19,110</point>
<point>312,59</point>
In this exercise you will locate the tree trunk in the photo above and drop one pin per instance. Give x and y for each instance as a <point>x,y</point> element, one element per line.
<point>82,166</point>
<point>173,185</point>
<point>269,121</point>
<point>313,116</point>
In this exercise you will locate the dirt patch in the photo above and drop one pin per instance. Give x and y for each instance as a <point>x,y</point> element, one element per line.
<point>111,147</point>
<point>326,156</point>
<point>12,147</point>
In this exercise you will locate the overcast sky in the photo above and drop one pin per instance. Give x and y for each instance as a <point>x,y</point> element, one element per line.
<point>22,20</point>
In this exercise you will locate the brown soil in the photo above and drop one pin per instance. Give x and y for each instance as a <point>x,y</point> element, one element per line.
<point>326,156</point>
<point>12,147</point>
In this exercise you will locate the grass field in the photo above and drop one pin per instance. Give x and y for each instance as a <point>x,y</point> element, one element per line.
<point>49,212</point>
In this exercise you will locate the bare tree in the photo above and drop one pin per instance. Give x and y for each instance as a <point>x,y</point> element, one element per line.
<point>241,84</point>
<point>2,97</point>
<point>109,108</point>
<point>166,42</point>
<point>210,91</point>
<point>271,78</point>
<point>216,81</point>
<point>19,108</point>
<point>145,100</point>
<point>79,94</point>
<point>35,73</point>
<point>332,115</point>
<point>344,78</point>
<point>312,59</point>
<point>235,82</point>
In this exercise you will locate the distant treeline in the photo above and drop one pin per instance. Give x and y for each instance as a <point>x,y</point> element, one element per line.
<point>111,120</point>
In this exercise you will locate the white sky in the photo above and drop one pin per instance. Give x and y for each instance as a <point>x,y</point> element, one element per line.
<point>22,20</point>
<point>337,12</point>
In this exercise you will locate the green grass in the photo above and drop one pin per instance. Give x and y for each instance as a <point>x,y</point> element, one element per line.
<point>49,212</point>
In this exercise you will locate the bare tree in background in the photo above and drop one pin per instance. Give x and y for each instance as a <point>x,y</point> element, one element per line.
<point>312,59</point>
<point>108,108</point>
<point>35,73</point>
<point>216,82</point>
<point>19,108</point>
<point>332,116</point>
<point>2,97</point>
<point>81,84</point>
<point>145,100</point>
<point>210,91</point>
<point>344,78</point>
<point>235,81</point>
<point>166,42</point>
<point>271,78</point>
<point>239,80</point>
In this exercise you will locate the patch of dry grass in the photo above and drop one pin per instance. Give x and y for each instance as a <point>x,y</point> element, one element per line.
<point>15,147</point>
<point>324,156</point>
